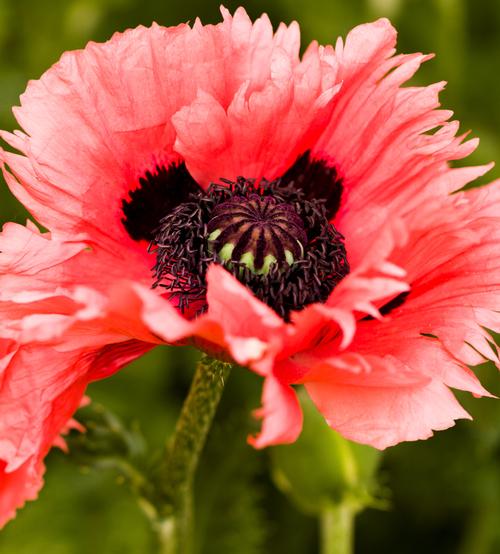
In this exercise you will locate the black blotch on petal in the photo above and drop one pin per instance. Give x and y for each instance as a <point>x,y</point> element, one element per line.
<point>318,181</point>
<point>397,301</point>
<point>159,192</point>
<point>390,306</point>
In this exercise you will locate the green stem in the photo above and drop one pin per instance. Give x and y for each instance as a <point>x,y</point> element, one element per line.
<point>337,529</point>
<point>174,527</point>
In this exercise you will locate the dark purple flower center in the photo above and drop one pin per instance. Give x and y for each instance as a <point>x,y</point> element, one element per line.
<point>276,237</point>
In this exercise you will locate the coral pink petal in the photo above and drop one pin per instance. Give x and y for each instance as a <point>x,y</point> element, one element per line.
<point>379,137</point>
<point>210,139</point>
<point>453,264</point>
<point>120,96</point>
<point>37,399</point>
<point>253,332</point>
<point>238,51</point>
<point>377,389</point>
<point>276,107</point>
<point>17,487</point>
<point>40,389</point>
<point>280,413</point>
<point>33,261</point>
<point>384,416</point>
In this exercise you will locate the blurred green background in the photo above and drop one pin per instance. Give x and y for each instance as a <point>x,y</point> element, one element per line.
<point>443,495</point>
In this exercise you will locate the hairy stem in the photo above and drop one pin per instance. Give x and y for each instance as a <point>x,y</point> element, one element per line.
<point>337,526</point>
<point>174,526</point>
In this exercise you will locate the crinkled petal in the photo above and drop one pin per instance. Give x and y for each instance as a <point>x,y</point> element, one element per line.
<point>41,386</point>
<point>276,111</point>
<point>120,96</point>
<point>384,416</point>
<point>236,322</point>
<point>19,486</point>
<point>281,415</point>
<point>376,390</point>
<point>34,263</point>
<point>40,389</point>
<point>390,143</point>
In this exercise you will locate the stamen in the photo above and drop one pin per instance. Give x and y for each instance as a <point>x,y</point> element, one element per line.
<point>272,238</point>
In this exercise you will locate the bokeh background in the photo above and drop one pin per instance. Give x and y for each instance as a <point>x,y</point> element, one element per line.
<point>440,496</point>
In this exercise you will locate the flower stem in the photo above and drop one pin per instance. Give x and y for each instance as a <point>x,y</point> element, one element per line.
<point>337,526</point>
<point>174,526</point>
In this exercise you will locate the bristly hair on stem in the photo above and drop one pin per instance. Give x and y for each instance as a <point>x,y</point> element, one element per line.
<point>174,525</point>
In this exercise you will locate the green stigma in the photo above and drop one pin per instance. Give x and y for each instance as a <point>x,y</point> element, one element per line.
<point>247,259</point>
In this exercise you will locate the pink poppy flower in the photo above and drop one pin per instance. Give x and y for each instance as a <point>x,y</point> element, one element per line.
<point>297,213</point>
